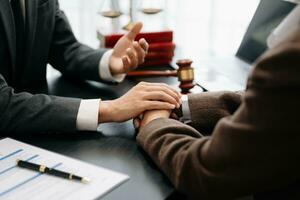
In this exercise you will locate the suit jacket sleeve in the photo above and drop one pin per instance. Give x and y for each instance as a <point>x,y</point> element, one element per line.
<point>209,108</point>
<point>253,150</point>
<point>23,112</point>
<point>70,56</point>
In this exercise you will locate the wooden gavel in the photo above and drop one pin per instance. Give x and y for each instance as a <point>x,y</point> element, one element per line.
<point>185,74</point>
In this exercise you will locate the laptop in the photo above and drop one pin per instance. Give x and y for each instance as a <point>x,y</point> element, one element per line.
<point>231,73</point>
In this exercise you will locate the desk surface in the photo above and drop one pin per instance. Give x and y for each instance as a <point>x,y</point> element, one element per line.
<point>114,147</point>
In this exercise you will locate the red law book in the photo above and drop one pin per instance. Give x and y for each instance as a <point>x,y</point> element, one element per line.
<point>165,46</point>
<point>160,62</point>
<point>109,40</point>
<point>156,55</point>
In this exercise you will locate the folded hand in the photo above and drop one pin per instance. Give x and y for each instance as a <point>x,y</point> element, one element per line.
<point>149,116</point>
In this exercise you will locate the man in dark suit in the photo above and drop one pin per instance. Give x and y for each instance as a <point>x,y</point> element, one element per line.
<point>255,136</point>
<point>34,33</point>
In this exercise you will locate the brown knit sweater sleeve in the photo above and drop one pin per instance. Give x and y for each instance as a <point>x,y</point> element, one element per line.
<point>253,150</point>
<point>208,108</point>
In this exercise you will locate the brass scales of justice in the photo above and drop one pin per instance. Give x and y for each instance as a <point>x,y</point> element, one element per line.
<point>113,12</point>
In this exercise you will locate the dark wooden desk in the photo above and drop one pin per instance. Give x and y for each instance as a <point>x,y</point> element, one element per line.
<point>114,147</point>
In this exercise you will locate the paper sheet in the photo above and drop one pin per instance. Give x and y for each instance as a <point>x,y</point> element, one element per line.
<point>17,183</point>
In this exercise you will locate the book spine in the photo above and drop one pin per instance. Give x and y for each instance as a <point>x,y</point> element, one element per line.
<point>161,62</point>
<point>156,37</point>
<point>162,47</point>
<point>153,47</point>
<point>159,55</point>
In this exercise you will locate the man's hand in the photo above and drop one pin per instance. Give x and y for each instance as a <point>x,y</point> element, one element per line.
<point>149,116</point>
<point>143,97</point>
<point>127,53</point>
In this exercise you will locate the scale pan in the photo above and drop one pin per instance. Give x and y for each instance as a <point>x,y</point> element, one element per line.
<point>111,14</point>
<point>151,11</point>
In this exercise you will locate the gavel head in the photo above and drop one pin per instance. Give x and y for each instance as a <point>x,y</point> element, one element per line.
<point>185,75</point>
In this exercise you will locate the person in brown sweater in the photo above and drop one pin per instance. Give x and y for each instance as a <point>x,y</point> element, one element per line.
<point>255,142</point>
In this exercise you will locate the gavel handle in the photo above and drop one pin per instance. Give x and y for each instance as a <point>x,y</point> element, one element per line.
<point>152,73</point>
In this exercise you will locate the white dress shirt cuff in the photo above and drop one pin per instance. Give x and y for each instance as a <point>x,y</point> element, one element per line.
<point>87,117</point>
<point>186,114</point>
<point>104,70</point>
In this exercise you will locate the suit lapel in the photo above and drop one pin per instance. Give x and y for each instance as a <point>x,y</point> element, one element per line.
<point>31,20</point>
<point>9,27</point>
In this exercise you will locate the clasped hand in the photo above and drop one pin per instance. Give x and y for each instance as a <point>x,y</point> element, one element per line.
<point>141,98</point>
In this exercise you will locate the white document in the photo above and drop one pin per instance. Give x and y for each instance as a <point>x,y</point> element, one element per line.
<point>17,183</point>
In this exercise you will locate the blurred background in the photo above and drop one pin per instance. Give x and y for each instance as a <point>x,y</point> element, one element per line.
<point>203,27</point>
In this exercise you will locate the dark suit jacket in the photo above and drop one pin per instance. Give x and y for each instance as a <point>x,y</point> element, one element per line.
<point>254,146</point>
<point>24,112</point>
<point>49,39</point>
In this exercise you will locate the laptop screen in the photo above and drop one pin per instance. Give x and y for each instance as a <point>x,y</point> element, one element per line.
<point>268,16</point>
